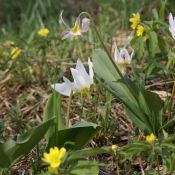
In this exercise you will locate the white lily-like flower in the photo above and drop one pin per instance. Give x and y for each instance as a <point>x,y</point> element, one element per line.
<point>81,26</point>
<point>82,80</point>
<point>172,25</point>
<point>122,59</point>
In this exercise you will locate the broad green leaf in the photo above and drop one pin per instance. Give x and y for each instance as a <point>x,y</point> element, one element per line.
<point>152,43</point>
<point>133,149</point>
<point>4,158</point>
<point>138,45</point>
<point>83,153</point>
<point>86,167</point>
<point>24,144</point>
<point>77,136</point>
<point>31,138</point>
<point>170,139</point>
<point>53,109</point>
<point>142,113</point>
<point>168,146</point>
<point>151,105</point>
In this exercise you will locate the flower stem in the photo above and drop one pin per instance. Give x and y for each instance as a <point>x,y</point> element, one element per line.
<point>107,108</point>
<point>68,110</point>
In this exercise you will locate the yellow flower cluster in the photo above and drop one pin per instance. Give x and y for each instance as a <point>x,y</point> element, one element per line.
<point>150,138</point>
<point>54,158</point>
<point>135,20</point>
<point>43,32</point>
<point>15,53</point>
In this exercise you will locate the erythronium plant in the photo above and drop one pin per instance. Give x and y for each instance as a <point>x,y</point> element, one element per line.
<point>82,80</point>
<point>122,59</point>
<point>81,26</point>
<point>82,83</point>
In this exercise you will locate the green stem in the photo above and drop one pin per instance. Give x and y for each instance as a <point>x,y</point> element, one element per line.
<point>68,110</point>
<point>56,119</point>
<point>108,53</point>
<point>107,108</point>
<point>38,157</point>
<point>82,106</point>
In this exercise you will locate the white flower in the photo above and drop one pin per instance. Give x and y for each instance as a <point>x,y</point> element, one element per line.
<point>82,80</point>
<point>122,59</point>
<point>172,25</point>
<point>80,27</point>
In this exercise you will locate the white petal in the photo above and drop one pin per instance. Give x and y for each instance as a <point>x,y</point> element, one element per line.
<point>69,83</point>
<point>80,81</point>
<point>77,22</point>
<point>82,71</point>
<point>124,55</point>
<point>67,34</point>
<point>85,24</point>
<point>91,72</point>
<point>78,85</point>
<point>62,21</point>
<point>116,55</point>
<point>172,25</point>
<point>62,88</point>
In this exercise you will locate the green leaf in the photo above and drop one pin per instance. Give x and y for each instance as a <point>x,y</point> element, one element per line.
<point>4,158</point>
<point>13,151</point>
<point>138,45</point>
<point>169,139</point>
<point>77,136</point>
<point>152,43</point>
<point>133,149</point>
<point>53,109</point>
<point>168,146</point>
<point>137,101</point>
<point>86,167</point>
<point>83,153</point>
<point>151,105</point>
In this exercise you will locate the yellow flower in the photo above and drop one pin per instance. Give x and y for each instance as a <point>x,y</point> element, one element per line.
<point>114,148</point>
<point>140,30</point>
<point>43,32</point>
<point>135,20</point>
<point>54,158</point>
<point>150,138</point>
<point>16,52</point>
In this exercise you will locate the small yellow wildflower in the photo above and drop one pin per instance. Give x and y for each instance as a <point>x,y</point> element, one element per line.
<point>140,30</point>
<point>114,148</point>
<point>16,52</point>
<point>54,158</point>
<point>150,138</point>
<point>43,32</point>
<point>135,20</point>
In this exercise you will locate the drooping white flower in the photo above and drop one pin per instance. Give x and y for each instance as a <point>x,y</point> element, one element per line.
<point>82,80</point>
<point>122,59</point>
<point>81,26</point>
<point>172,25</point>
